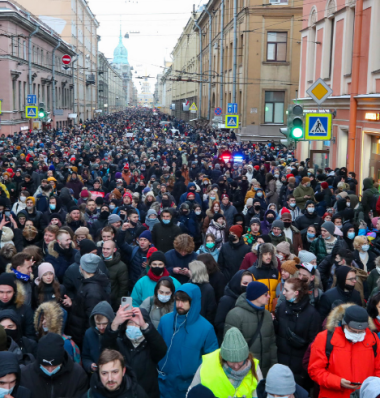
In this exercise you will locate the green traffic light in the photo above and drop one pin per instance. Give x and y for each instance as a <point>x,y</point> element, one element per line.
<point>297,132</point>
<point>41,114</point>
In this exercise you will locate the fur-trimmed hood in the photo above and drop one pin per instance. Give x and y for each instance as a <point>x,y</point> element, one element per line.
<point>336,316</point>
<point>82,219</point>
<point>20,294</point>
<point>53,314</point>
<point>52,251</point>
<point>266,248</point>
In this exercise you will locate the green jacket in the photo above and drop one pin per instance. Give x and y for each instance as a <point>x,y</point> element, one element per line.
<point>246,319</point>
<point>118,275</point>
<point>299,194</point>
<point>368,191</point>
<point>372,280</point>
<point>318,247</point>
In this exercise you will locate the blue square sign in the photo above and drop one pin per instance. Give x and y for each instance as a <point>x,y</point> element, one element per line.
<point>232,108</point>
<point>32,99</point>
<point>318,126</point>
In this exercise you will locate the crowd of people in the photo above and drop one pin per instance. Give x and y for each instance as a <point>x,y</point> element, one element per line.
<point>143,257</point>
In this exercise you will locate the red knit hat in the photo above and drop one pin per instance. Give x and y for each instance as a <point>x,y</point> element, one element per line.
<point>289,175</point>
<point>84,194</point>
<point>190,193</point>
<point>256,167</point>
<point>237,230</point>
<point>11,173</point>
<point>150,252</point>
<point>127,194</point>
<point>324,185</point>
<point>126,167</point>
<point>225,196</point>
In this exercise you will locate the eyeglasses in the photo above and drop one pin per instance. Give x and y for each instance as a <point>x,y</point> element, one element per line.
<point>352,279</point>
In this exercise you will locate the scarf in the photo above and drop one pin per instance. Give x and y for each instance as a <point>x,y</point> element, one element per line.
<point>156,278</point>
<point>235,377</point>
<point>151,223</point>
<point>21,276</point>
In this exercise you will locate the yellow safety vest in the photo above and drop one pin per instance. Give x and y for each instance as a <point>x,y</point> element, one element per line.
<point>214,378</point>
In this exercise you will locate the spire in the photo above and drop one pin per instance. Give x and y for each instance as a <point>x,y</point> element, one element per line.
<point>120,37</point>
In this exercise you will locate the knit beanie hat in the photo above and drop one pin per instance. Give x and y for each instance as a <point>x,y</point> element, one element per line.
<point>237,230</point>
<point>280,381</point>
<point>51,351</point>
<point>306,257</point>
<point>291,265</point>
<point>283,247</point>
<point>200,391</point>
<point>147,235</point>
<point>249,202</point>
<point>217,216</point>
<point>256,290</point>
<point>84,193</point>
<point>113,218</point>
<point>329,227</point>
<point>324,185</point>
<point>43,268</point>
<point>90,263</point>
<point>8,279</point>
<point>87,246</point>
<point>157,256</point>
<point>32,199</point>
<point>82,231</point>
<point>278,224</point>
<point>255,220</point>
<point>3,339</point>
<point>305,180</point>
<point>234,347</point>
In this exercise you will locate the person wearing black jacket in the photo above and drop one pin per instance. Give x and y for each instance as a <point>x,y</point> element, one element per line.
<point>310,217</point>
<point>165,232</point>
<point>297,323</point>
<point>237,197</point>
<point>53,373</point>
<point>10,375</point>
<point>134,336</point>
<point>348,231</point>
<point>344,291</point>
<point>92,290</point>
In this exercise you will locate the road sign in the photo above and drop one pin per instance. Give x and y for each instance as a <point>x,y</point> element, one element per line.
<point>32,99</point>
<point>319,91</point>
<point>232,108</point>
<point>66,59</point>
<point>193,107</point>
<point>318,126</point>
<point>218,111</point>
<point>232,121</point>
<point>31,112</point>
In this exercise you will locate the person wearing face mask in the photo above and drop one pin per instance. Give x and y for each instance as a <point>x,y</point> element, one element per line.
<point>151,219</point>
<point>346,354</point>
<point>21,203</point>
<point>232,252</point>
<point>54,370</point>
<point>55,206</point>
<point>277,236</point>
<point>190,188</point>
<point>209,246</point>
<point>309,217</point>
<point>164,233</point>
<point>303,193</point>
<point>288,270</point>
<point>187,218</point>
<point>297,323</point>
<point>349,234</point>
<point>162,301</point>
<point>269,218</point>
<point>291,232</point>
<point>75,183</point>
<point>217,228</point>
<point>345,291</point>
<point>145,286</point>
<point>291,206</point>
<point>10,375</point>
<point>234,288</point>
<point>364,257</point>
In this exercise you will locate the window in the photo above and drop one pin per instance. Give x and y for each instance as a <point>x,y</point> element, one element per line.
<point>19,97</point>
<point>274,107</point>
<point>276,46</point>
<point>278,1</point>
<point>14,94</point>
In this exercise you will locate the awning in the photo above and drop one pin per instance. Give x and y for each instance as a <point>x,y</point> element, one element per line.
<point>72,115</point>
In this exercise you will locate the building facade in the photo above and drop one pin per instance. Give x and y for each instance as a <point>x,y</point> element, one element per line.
<point>339,45</point>
<point>260,72</point>
<point>76,24</point>
<point>167,84</point>
<point>146,96</point>
<point>54,88</point>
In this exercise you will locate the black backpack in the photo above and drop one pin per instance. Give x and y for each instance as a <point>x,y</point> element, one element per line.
<point>329,346</point>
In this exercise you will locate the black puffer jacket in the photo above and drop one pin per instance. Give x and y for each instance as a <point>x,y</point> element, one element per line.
<point>91,292</point>
<point>144,358</point>
<point>208,302</point>
<point>231,256</point>
<point>70,381</point>
<point>303,320</point>
<point>164,234</point>
<point>303,222</point>
<point>8,365</point>
<point>231,293</point>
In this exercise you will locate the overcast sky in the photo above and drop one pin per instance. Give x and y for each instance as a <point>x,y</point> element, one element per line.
<point>160,24</point>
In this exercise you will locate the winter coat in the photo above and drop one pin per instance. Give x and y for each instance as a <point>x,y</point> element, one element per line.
<point>155,313</point>
<point>299,194</point>
<point>92,342</point>
<point>370,263</point>
<point>144,358</point>
<point>368,192</point>
<point>218,282</point>
<point>48,292</point>
<point>144,288</point>
<point>231,293</point>
<point>229,213</point>
<point>318,248</point>
<point>230,257</point>
<point>208,302</point>
<point>281,238</point>
<point>118,275</point>
<point>261,393</point>
<point>303,222</point>
<point>219,232</point>
<point>246,318</point>
<point>183,197</point>
<point>60,259</point>
<point>91,291</point>
<point>36,217</point>
<point>272,194</point>
<point>353,362</point>
<point>372,280</point>
<point>163,235</point>
<point>70,381</point>
<point>190,222</point>
<point>302,319</point>
<point>194,337</point>
<point>174,259</point>
<point>204,250</point>
<point>76,186</point>
<point>45,219</point>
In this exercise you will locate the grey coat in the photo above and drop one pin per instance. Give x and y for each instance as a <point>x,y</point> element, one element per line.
<point>246,319</point>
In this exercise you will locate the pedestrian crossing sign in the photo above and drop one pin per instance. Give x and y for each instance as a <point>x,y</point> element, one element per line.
<point>31,112</point>
<point>318,126</point>
<point>232,121</point>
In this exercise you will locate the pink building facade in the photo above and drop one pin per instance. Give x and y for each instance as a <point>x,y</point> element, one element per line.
<point>328,51</point>
<point>17,28</point>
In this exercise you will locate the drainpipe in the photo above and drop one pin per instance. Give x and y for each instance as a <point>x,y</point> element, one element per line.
<point>221,52</point>
<point>209,62</point>
<point>354,85</point>
<point>201,69</point>
<point>73,77</point>
<point>30,65</point>
<point>234,54</point>
<point>53,79</point>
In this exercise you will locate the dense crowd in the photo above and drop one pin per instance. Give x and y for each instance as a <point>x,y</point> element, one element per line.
<point>144,257</point>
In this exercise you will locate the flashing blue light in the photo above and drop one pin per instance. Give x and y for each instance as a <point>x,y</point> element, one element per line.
<point>238,158</point>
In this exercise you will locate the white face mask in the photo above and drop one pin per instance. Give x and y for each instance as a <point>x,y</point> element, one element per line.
<point>354,337</point>
<point>365,248</point>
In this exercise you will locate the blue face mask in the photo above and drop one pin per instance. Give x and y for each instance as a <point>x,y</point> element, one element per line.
<point>259,194</point>
<point>311,210</point>
<point>133,332</point>
<point>166,221</point>
<point>292,300</point>
<point>53,372</point>
<point>52,207</point>
<point>351,235</point>
<point>5,391</point>
<point>293,204</point>
<point>310,235</point>
<point>107,258</point>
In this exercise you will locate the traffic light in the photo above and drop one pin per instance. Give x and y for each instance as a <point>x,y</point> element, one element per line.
<point>42,111</point>
<point>286,141</point>
<point>295,122</point>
